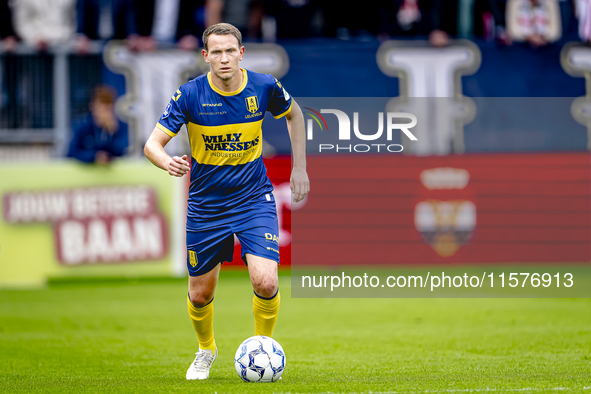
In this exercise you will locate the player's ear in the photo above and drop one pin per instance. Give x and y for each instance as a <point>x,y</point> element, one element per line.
<point>204,53</point>
<point>241,52</point>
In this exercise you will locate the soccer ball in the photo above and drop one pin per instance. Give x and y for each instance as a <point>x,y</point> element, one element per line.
<point>260,359</point>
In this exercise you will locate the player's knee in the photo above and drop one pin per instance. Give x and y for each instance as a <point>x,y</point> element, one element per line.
<point>200,299</point>
<point>266,287</point>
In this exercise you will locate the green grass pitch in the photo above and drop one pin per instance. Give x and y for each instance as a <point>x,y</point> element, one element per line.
<point>136,337</point>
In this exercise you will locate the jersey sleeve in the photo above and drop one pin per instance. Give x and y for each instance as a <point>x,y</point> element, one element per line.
<point>174,116</point>
<point>279,100</point>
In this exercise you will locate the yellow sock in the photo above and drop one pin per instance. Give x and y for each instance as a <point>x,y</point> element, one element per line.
<point>202,320</point>
<point>265,313</point>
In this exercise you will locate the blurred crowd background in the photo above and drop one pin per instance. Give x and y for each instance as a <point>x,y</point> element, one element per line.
<point>146,25</point>
<point>54,56</point>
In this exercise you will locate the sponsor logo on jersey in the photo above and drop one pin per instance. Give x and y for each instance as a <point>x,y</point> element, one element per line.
<point>228,142</point>
<point>252,104</point>
<point>167,111</point>
<point>213,113</point>
<point>253,115</point>
<point>272,238</point>
<point>211,105</point>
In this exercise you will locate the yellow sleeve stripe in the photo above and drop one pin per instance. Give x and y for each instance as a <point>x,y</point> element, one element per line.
<point>284,113</point>
<point>170,133</point>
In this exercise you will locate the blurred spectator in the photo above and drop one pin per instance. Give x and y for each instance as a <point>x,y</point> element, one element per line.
<point>488,21</point>
<point>213,12</point>
<point>465,18</point>
<point>295,18</point>
<point>583,8</point>
<point>174,21</point>
<point>246,15</point>
<point>569,20</point>
<point>104,20</point>
<point>42,23</point>
<point>195,17</point>
<point>408,14</point>
<point>441,21</point>
<point>535,21</point>
<point>346,22</point>
<point>144,23</point>
<point>100,136</point>
<point>435,18</point>
<point>400,18</point>
<point>7,34</point>
<point>498,9</point>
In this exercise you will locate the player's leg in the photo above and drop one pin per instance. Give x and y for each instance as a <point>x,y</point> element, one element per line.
<point>266,299</point>
<point>206,251</point>
<point>200,303</point>
<point>259,237</point>
<point>263,275</point>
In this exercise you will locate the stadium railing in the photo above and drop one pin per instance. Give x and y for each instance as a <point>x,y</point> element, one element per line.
<point>41,93</point>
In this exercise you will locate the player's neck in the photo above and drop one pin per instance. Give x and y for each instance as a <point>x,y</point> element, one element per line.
<point>230,85</point>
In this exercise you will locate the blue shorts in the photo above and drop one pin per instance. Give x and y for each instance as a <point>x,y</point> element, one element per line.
<point>258,234</point>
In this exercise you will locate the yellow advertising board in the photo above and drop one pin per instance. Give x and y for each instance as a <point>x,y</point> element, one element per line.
<point>64,219</point>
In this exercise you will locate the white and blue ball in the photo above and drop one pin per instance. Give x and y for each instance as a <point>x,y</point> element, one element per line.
<point>260,359</point>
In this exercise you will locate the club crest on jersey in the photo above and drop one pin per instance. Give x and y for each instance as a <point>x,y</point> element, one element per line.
<point>252,104</point>
<point>193,258</point>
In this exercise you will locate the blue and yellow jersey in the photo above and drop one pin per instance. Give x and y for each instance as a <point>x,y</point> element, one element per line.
<point>227,172</point>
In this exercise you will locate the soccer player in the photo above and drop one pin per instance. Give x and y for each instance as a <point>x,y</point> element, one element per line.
<point>230,192</point>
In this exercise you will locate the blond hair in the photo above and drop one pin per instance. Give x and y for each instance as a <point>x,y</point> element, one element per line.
<point>221,29</point>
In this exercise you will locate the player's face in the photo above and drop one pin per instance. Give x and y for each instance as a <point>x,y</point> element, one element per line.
<point>224,55</point>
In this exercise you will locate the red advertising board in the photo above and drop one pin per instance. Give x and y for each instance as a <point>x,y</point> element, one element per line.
<point>485,208</point>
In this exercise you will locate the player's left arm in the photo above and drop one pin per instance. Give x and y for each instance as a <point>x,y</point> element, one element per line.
<point>300,185</point>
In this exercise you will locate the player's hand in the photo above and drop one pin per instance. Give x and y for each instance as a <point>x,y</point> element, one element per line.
<point>188,43</point>
<point>10,43</point>
<point>299,183</point>
<point>178,166</point>
<point>82,44</point>
<point>102,158</point>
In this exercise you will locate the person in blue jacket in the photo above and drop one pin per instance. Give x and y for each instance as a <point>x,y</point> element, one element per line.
<point>100,136</point>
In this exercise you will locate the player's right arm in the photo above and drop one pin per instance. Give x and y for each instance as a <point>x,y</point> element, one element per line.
<point>168,126</point>
<point>154,151</point>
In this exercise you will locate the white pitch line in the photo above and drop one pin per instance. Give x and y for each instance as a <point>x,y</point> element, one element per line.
<point>530,389</point>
